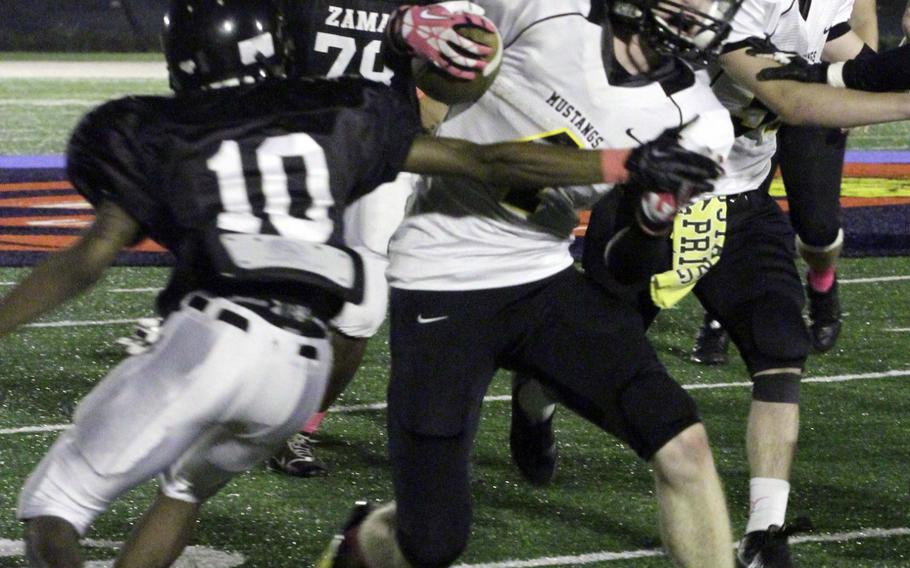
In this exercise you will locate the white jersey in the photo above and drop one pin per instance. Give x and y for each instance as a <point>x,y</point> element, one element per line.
<point>781,22</point>
<point>552,87</point>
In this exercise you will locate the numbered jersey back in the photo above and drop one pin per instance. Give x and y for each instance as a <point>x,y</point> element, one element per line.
<point>279,159</point>
<point>344,37</point>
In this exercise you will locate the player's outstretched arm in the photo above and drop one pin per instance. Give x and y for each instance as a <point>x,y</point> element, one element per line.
<point>511,164</point>
<point>808,103</point>
<point>520,165</point>
<point>882,72</point>
<point>68,273</point>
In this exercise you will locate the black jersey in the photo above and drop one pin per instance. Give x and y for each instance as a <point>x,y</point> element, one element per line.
<point>280,158</point>
<point>345,37</point>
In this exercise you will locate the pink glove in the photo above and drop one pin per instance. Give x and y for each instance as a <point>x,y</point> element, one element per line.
<point>431,32</point>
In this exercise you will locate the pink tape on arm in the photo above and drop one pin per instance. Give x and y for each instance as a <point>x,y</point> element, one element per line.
<point>613,165</point>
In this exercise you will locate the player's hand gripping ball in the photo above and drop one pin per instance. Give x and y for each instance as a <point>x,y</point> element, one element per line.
<point>457,51</point>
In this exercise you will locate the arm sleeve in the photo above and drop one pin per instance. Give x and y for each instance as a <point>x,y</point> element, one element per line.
<point>104,163</point>
<point>887,71</point>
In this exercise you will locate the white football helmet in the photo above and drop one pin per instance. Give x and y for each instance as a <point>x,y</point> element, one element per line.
<point>691,29</point>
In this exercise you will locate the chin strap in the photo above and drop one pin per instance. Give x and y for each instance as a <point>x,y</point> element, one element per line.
<point>607,54</point>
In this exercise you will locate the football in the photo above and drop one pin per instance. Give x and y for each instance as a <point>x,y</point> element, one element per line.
<point>441,86</point>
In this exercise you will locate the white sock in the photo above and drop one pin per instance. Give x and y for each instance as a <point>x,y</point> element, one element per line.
<point>767,503</point>
<point>534,402</point>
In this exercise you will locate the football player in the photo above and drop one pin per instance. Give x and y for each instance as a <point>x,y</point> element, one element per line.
<point>346,37</point>
<point>754,289</point>
<point>243,175</point>
<point>883,72</point>
<point>811,161</point>
<point>480,283</point>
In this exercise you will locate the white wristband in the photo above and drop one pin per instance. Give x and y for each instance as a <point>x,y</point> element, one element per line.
<point>836,75</point>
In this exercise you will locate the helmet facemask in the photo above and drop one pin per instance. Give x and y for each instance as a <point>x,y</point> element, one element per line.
<point>691,29</point>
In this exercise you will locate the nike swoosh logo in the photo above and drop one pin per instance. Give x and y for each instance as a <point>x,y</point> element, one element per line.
<point>753,504</point>
<point>421,319</point>
<point>427,15</point>
<point>632,136</point>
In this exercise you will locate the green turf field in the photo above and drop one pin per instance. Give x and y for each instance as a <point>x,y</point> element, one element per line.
<point>851,476</point>
<point>38,114</point>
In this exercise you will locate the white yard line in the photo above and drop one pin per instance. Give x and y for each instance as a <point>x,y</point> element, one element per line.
<point>898,329</point>
<point>50,102</point>
<point>156,290</point>
<point>845,281</point>
<point>873,280</point>
<point>80,323</point>
<point>376,406</point>
<point>192,557</point>
<point>831,379</point>
<point>631,554</point>
<point>35,429</point>
<point>83,70</point>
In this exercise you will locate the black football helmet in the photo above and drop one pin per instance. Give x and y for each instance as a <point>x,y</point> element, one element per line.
<point>691,29</point>
<point>213,43</point>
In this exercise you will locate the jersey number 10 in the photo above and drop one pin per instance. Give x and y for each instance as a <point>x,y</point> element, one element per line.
<point>237,213</point>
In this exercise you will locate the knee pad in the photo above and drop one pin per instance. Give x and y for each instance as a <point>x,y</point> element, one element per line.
<point>821,257</point>
<point>779,335</point>
<point>363,320</point>
<point>776,385</point>
<point>431,476</point>
<point>434,555</point>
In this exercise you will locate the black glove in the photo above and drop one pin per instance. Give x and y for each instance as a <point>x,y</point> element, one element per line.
<point>793,68</point>
<point>668,176</point>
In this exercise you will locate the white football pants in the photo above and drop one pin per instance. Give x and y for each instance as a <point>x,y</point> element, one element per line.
<point>206,402</point>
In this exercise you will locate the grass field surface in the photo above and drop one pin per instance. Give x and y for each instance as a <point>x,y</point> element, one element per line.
<point>851,475</point>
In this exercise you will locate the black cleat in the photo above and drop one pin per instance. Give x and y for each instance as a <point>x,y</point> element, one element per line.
<point>532,444</point>
<point>341,552</point>
<point>296,458</point>
<point>769,548</point>
<point>711,343</point>
<point>824,318</point>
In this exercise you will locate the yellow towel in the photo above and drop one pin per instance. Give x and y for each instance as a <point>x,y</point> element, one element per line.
<point>698,238</point>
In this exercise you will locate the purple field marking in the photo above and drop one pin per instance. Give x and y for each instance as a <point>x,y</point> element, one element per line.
<point>878,157</point>
<point>853,156</point>
<point>32,162</point>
